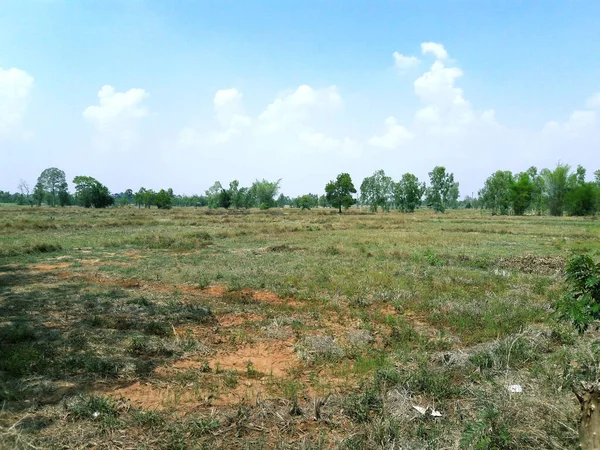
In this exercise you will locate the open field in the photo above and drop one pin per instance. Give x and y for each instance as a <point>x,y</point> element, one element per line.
<point>190,328</point>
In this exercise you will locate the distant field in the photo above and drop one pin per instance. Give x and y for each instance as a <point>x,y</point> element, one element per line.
<point>190,328</point>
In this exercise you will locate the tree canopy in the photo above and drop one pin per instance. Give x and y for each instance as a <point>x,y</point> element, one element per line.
<point>53,182</point>
<point>339,192</point>
<point>91,193</point>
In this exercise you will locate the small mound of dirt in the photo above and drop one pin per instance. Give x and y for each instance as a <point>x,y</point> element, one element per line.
<point>535,264</point>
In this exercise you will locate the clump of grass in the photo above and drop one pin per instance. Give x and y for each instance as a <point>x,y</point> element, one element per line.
<point>318,349</point>
<point>86,407</point>
<point>28,249</point>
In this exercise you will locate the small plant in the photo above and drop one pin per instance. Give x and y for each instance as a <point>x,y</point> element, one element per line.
<point>251,372</point>
<point>489,432</point>
<point>581,304</point>
<point>92,407</point>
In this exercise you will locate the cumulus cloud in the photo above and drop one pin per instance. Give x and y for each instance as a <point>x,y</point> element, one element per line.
<point>230,115</point>
<point>403,63</point>
<point>394,136</point>
<point>116,108</point>
<point>293,109</point>
<point>435,49</point>
<point>578,123</point>
<point>15,91</point>
<point>594,101</point>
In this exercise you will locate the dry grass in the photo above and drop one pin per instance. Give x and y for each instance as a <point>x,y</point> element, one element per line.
<point>190,328</point>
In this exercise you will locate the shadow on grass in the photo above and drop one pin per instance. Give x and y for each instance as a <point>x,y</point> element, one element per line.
<point>60,337</point>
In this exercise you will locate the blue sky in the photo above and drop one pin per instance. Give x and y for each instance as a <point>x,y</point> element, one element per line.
<point>199,91</point>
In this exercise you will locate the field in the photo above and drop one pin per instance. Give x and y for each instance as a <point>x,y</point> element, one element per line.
<point>191,328</point>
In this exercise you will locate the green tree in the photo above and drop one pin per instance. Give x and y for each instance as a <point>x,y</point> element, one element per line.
<point>338,193</point>
<point>213,194</point>
<point>522,191</point>
<point>38,193</point>
<point>163,200</point>
<point>496,194</point>
<point>442,191</point>
<point>408,193</point>
<point>539,198</point>
<point>557,184</point>
<point>582,200</point>
<point>264,192</point>
<point>304,202</point>
<point>376,191</point>
<point>91,193</point>
<point>53,182</point>
<point>224,199</point>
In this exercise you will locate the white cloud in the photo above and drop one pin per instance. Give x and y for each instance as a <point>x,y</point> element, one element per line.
<point>15,90</point>
<point>435,49</point>
<point>594,101</point>
<point>320,141</point>
<point>403,63</point>
<point>230,115</point>
<point>293,109</point>
<point>579,122</point>
<point>394,136</point>
<point>116,108</point>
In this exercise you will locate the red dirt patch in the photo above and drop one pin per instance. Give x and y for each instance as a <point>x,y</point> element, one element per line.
<point>48,267</point>
<point>234,319</point>
<point>267,357</point>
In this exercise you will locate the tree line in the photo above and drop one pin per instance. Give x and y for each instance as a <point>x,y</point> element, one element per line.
<point>558,191</point>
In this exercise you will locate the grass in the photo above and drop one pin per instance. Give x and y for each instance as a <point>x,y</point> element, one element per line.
<point>191,328</point>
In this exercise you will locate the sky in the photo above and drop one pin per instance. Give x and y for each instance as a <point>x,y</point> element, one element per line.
<point>183,93</point>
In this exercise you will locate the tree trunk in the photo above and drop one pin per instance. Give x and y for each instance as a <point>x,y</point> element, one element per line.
<point>588,395</point>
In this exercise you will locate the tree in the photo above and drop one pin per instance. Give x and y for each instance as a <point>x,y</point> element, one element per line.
<point>496,194</point>
<point>38,193</point>
<point>264,193</point>
<point>582,200</point>
<point>163,200</point>
<point>338,193</point>
<point>376,191</point>
<point>539,198</point>
<point>408,193</point>
<point>442,191</point>
<point>304,202</point>
<point>25,192</point>
<point>53,181</point>
<point>224,199</point>
<point>213,194</point>
<point>91,193</point>
<point>522,190</point>
<point>557,184</point>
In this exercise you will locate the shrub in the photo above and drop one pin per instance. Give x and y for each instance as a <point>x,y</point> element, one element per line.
<point>581,303</point>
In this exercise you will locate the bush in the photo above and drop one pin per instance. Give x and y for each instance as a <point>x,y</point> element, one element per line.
<point>581,303</point>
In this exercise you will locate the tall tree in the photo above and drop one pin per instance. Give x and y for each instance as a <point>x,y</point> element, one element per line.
<point>539,198</point>
<point>163,200</point>
<point>25,191</point>
<point>522,190</point>
<point>338,193</point>
<point>557,184</point>
<point>53,181</point>
<point>264,192</point>
<point>213,194</point>
<point>442,191</point>
<point>38,193</point>
<point>408,193</point>
<point>91,193</point>
<point>496,193</point>
<point>376,191</point>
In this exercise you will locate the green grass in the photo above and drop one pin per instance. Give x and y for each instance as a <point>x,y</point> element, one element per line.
<point>191,328</point>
